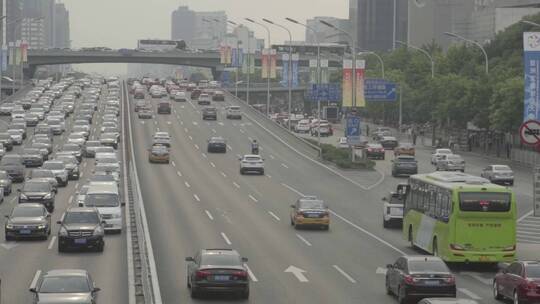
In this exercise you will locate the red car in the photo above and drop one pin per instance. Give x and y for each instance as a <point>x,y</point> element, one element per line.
<point>519,281</point>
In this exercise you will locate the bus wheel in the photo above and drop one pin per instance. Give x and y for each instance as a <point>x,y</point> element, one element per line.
<point>435,247</point>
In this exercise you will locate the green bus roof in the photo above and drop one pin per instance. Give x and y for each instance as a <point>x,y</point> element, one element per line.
<point>458,180</point>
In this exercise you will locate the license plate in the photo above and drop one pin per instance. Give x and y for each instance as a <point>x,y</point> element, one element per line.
<point>312,215</point>
<point>431,283</point>
<point>25,231</point>
<point>221,278</point>
<point>80,241</point>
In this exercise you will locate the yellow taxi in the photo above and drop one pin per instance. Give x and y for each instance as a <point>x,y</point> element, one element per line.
<point>404,149</point>
<point>158,154</point>
<point>309,211</point>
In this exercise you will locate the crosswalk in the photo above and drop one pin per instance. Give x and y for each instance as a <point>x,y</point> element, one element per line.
<point>528,230</point>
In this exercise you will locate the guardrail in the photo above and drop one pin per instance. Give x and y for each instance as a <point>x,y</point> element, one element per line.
<point>142,275</point>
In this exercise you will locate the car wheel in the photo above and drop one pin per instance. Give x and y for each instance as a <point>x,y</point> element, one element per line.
<point>100,247</point>
<point>241,172</point>
<point>385,223</point>
<point>262,172</point>
<point>435,247</point>
<point>193,293</point>
<point>61,247</point>
<point>496,293</point>
<point>245,294</point>
<point>402,296</point>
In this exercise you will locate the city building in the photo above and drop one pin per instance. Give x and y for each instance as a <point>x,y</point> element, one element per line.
<point>183,24</point>
<point>210,30</point>
<point>13,14</point>
<point>33,32</point>
<point>326,34</point>
<point>61,26</point>
<point>372,23</point>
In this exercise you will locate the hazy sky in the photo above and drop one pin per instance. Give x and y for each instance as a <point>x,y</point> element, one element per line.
<point>120,23</point>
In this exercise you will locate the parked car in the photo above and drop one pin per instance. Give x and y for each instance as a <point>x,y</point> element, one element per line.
<point>404,165</point>
<point>499,174</point>
<point>518,281</point>
<point>450,162</point>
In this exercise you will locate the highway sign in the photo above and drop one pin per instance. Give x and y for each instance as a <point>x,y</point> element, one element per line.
<point>352,131</point>
<point>380,90</point>
<point>324,92</point>
<point>530,132</point>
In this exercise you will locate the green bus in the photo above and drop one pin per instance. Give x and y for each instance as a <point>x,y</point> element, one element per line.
<point>460,218</point>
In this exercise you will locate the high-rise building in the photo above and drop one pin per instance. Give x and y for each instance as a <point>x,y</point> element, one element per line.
<point>210,29</point>
<point>13,17</point>
<point>373,23</point>
<point>326,34</point>
<point>183,24</point>
<point>61,27</point>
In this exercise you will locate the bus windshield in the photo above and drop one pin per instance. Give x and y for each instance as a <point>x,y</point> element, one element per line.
<point>484,202</point>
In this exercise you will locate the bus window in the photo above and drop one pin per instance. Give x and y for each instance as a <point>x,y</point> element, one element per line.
<point>484,201</point>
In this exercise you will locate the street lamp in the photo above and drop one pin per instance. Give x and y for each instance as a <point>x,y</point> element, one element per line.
<point>290,66</point>
<point>423,52</point>
<point>319,80</point>
<point>473,42</point>
<point>238,42</point>
<point>268,65</point>
<point>366,52</point>
<point>529,22</point>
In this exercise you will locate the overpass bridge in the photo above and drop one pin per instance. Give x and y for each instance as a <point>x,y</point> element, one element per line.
<point>263,88</point>
<point>205,59</point>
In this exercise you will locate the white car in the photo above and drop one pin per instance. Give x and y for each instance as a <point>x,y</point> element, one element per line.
<point>303,126</point>
<point>342,143</point>
<point>438,155</point>
<point>180,96</point>
<point>251,163</point>
<point>76,138</point>
<point>450,162</point>
<point>16,135</point>
<point>234,112</point>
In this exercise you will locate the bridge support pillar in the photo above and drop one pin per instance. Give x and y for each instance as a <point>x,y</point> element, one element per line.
<point>29,71</point>
<point>216,74</point>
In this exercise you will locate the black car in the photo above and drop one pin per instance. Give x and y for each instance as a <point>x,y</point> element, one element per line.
<point>38,191</point>
<point>209,113</point>
<point>404,164</point>
<point>217,270</point>
<point>72,165</point>
<point>6,140</point>
<point>14,167</point>
<point>5,182</point>
<point>28,220</point>
<point>81,227</point>
<point>217,144</point>
<point>417,277</point>
<point>32,157</point>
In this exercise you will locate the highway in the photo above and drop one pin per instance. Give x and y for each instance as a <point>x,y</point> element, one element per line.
<point>22,260</point>
<point>201,201</point>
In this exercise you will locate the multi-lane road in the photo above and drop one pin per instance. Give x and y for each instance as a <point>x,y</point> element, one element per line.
<point>200,201</point>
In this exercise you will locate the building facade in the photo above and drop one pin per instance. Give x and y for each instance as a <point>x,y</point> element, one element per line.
<point>61,27</point>
<point>183,24</point>
<point>325,34</point>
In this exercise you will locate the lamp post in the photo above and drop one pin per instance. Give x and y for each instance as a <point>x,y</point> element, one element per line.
<point>428,55</point>
<point>268,67</point>
<point>472,42</point>
<point>290,66</point>
<point>529,22</point>
<point>366,52</point>
<point>16,21</point>
<point>394,27</point>
<point>238,42</point>
<point>2,58</point>
<point>319,80</point>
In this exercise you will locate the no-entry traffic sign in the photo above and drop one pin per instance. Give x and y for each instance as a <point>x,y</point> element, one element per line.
<point>530,132</point>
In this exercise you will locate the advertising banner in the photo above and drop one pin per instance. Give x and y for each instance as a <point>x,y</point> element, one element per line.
<point>531,48</point>
<point>313,71</point>
<point>347,83</point>
<point>273,60</point>
<point>222,54</point>
<point>360,75</point>
<point>228,55</point>
<point>24,52</point>
<point>295,58</point>
<point>265,62</point>
<point>4,58</point>
<point>11,54</point>
<point>285,70</point>
<point>234,59</point>
<point>324,71</point>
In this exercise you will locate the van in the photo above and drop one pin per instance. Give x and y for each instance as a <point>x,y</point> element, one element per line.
<point>106,198</point>
<point>164,107</point>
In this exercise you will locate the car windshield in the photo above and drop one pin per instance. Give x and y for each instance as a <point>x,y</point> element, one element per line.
<point>312,205</point>
<point>453,157</point>
<point>252,158</point>
<point>108,135</point>
<point>31,151</point>
<point>427,266</point>
<point>533,271</point>
<point>75,217</point>
<point>101,200</point>
<point>27,212</point>
<point>444,151</point>
<point>406,159</point>
<point>221,260</point>
<point>501,168</point>
<point>70,148</point>
<point>67,159</point>
<point>64,284</point>
<point>54,166</point>
<point>484,201</point>
<point>42,173</point>
<point>36,187</point>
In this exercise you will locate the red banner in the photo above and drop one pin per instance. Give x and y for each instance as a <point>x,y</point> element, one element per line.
<point>360,76</point>
<point>347,83</point>
<point>273,60</point>
<point>265,60</point>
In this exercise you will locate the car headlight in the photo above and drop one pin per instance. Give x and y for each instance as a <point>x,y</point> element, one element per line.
<point>62,231</point>
<point>48,196</point>
<point>22,196</point>
<point>98,231</point>
<point>42,226</point>
<point>9,226</point>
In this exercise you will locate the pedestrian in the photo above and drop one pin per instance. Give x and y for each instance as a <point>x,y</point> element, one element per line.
<point>414,138</point>
<point>367,130</point>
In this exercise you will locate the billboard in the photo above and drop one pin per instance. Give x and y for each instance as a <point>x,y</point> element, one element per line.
<point>160,44</point>
<point>531,103</point>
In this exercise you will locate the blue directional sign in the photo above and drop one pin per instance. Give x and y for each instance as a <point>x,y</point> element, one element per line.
<point>380,90</point>
<point>352,131</point>
<point>324,92</point>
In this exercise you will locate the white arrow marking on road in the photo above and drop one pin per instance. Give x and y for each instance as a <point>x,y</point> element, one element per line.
<point>251,275</point>
<point>236,185</point>
<point>187,184</point>
<point>226,238</point>
<point>209,215</point>
<point>9,245</point>
<point>35,279</point>
<point>173,163</point>
<point>196,197</point>
<point>179,173</point>
<point>273,215</point>
<point>52,242</point>
<point>303,240</point>
<point>380,270</point>
<point>346,275</point>
<point>469,293</point>
<point>284,166</point>
<point>253,198</point>
<point>298,273</point>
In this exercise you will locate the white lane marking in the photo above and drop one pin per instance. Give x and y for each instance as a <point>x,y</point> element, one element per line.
<point>12,200</point>
<point>142,122</point>
<point>346,275</point>
<point>204,155</point>
<point>229,147</point>
<point>214,131</point>
<point>274,216</point>
<point>223,173</point>
<point>261,148</point>
<point>84,164</point>
<point>173,163</point>
<point>179,173</point>
<point>303,240</point>
<point>478,277</point>
<point>226,238</point>
<point>236,185</point>
<point>187,184</point>
<point>251,275</point>
<point>186,130</point>
<point>221,124</point>
<point>253,198</point>
<point>181,122</point>
<point>196,197</point>
<point>242,131</point>
<point>76,185</point>
<point>168,122</point>
<point>190,138</point>
<point>381,270</point>
<point>35,279</point>
<point>212,164</point>
<point>298,273</point>
<point>525,216</point>
<point>250,139</point>
<point>469,293</point>
<point>82,174</point>
<point>70,199</point>
<point>284,166</point>
<point>209,215</point>
<point>268,175</point>
<point>292,189</point>
<point>196,146</point>
<point>51,243</point>
<point>157,129</point>
<point>195,123</point>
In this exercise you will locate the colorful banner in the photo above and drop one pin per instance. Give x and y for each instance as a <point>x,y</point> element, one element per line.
<point>222,54</point>
<point>295,58</point>
<point>4,58</point>
<point>24,51</point>
<point>245,63</point>
<point>285,70</point>
<point>273,60</point>
<point>347,83</point>
<point>265,62</point>
<point>228,55</point>
<point>234,59</point>
<point>531,48</point>
<point>324,71</point>
<point>360,76</point>
<point>313,71</point>
<point>18,57</point>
